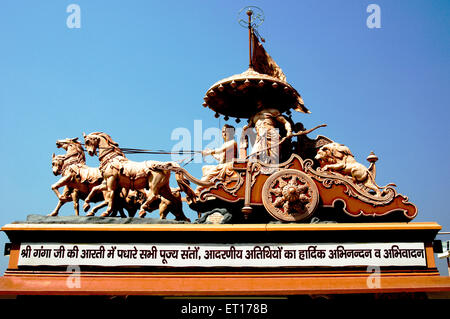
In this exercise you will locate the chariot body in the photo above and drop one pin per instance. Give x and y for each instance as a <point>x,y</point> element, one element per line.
<point>301,188</point>
<point>305,177</point>
<point>286,175</point>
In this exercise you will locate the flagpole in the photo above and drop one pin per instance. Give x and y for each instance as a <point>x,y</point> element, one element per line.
<point>249,13</point>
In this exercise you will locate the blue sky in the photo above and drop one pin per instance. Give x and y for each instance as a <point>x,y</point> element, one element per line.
<point>139,69</point>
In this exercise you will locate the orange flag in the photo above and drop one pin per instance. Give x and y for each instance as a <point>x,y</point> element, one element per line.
<point>263,62</point>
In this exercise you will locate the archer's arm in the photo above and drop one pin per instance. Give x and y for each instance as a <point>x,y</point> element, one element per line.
<point>287,125</point>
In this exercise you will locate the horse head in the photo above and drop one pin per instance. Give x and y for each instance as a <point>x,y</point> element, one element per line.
<point>74,149</point>
<point>101,142</point>
<point>91,141</point>
<point>57,164</point>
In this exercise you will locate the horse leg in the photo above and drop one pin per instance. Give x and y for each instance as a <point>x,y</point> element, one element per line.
<point>131,211</point>
<point>122,214</point>
<point>96,208</point>
<point>109,200</point>
<point>94,190</point>
<point>62,182</point>
<point>122,202</point>
<point>56,210</point>
<point>113,213</point>
<point>150,198</point>
<point>75,198</point>
<point>163,209</point>
<point>58,206</point>
<point>61,202</point>
<point>132,202</point>
<point>176,203</point>
<point>155,180</point>
<point>102,188</point>
<point>111,185</point>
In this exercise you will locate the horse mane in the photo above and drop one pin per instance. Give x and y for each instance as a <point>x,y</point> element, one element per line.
<point>108,138</point>
<point>109,141</point>
<point>81,158</point>
<point>60,157</point>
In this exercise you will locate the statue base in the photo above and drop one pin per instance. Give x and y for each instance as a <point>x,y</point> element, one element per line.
<point>221,260</point>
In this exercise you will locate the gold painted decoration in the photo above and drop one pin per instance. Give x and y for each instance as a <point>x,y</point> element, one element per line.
<point>290,195</point>
<point>286,174</point>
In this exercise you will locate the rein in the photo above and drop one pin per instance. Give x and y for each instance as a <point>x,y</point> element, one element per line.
<point>144,151</point>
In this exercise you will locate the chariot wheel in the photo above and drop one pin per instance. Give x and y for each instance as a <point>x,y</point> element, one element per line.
<point>290,195</point>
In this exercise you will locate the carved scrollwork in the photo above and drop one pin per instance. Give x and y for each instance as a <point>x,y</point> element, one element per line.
<point>234,188</point>
<point>229,185</point>
<point>328,179</point>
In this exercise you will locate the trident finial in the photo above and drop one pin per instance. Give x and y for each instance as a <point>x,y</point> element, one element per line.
<point>255,17</point>
<point>250,31</point>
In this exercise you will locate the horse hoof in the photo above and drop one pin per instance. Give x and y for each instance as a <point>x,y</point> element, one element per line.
<point>90,214</point>
<point>142,214</point>
<point>104,215</point>
<point>53,214</point>
<point>86,207</point>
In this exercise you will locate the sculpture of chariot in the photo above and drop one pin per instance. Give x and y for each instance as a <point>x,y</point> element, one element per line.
<point>286,176</point>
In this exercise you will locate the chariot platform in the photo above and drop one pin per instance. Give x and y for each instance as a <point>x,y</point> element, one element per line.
<point>221,260</point>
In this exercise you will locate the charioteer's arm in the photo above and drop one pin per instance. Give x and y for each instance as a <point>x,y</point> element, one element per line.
<point>286,124</point>
<point>217,153</point>
<point>213,152</point>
